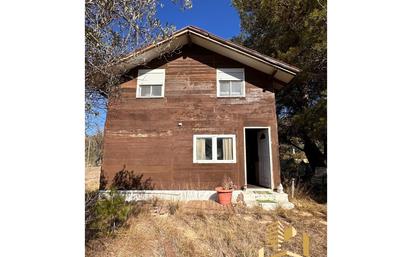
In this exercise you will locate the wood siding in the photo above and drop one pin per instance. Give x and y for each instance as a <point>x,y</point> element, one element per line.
<point>143,134</point>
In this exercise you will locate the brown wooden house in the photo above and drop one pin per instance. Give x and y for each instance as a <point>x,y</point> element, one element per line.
<point>198,109</point>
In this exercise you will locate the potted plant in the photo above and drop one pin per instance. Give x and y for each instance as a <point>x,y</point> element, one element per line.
<point>224,192</point>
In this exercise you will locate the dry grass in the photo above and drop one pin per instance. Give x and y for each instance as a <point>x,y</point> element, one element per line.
<point>92,178</point>
<point>154,231</point>
<point>310,217</point>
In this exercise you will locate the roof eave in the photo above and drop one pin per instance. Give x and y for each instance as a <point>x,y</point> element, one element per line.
<point>196,35</point>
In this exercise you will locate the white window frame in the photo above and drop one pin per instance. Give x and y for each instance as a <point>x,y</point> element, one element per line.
<point>138,89</point>
<point>214,148</point>
<point>225,70</point>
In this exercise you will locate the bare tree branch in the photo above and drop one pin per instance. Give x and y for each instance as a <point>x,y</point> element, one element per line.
<point>114,29</point>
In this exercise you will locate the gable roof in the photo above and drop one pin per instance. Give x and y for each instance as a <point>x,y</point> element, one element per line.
<point>281,71</point>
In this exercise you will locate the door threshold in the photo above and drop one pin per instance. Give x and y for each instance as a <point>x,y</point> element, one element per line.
<point>257,188</point>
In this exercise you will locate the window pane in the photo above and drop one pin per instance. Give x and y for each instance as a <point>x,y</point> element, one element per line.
<point>224,87</point>
<point>204,149</point>
<point>208,148</point>
<point>220,148</point>
<point>236,87</point>
<point>156,90</point>
<point>224,149</point>
<point>144,90</point>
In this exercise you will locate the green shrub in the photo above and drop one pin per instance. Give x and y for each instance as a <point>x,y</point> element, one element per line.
<point>105,215</point>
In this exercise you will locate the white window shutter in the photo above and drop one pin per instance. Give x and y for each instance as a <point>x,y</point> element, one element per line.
<point>230,74</point>
<point>151,77</point>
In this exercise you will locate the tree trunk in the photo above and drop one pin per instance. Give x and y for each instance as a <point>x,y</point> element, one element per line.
<point>314,155</point>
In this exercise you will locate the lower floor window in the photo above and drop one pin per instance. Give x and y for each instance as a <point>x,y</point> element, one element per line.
<point>214,148</point>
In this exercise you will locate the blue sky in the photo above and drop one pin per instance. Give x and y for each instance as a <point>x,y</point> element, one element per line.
<point>216,16</point>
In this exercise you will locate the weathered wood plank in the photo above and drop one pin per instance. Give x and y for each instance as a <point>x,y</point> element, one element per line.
<point>143,133</point>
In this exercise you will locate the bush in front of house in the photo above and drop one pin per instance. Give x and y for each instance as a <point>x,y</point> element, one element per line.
<point>105,214</point>
<point>128,180</point>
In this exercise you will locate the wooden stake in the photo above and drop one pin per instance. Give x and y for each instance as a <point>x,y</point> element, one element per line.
<point>306,245</point>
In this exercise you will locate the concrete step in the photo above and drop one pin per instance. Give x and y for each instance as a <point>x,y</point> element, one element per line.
<point>267,199</point>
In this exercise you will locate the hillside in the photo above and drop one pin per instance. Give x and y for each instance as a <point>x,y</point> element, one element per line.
<point>173,229</point>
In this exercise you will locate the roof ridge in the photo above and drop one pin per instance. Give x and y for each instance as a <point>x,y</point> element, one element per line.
<point>215,37</point>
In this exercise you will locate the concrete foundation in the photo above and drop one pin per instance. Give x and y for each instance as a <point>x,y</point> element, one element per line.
<point>267,199</point>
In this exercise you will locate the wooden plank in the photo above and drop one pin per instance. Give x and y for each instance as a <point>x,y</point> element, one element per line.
<point>143,133</point>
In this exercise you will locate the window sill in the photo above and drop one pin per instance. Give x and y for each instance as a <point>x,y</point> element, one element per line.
<point>213,162</point>
<point>149,97</point>
<point>224,97</point>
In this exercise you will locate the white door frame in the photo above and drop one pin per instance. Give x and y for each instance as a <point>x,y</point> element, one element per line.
<point>270,153</point>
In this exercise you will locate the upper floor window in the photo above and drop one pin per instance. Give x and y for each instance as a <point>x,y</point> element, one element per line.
<point>151,83</point>
<point>230,82</point>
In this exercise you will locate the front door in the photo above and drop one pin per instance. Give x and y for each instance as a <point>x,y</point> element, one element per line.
<point>264,158</point>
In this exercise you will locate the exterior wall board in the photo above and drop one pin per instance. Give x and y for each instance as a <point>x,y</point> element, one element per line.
<point>143,134</point>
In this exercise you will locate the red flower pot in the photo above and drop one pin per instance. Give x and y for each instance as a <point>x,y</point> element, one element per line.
<point>224,197</point>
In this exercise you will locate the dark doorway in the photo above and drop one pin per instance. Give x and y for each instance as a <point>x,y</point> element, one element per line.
<point>258,158</point>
